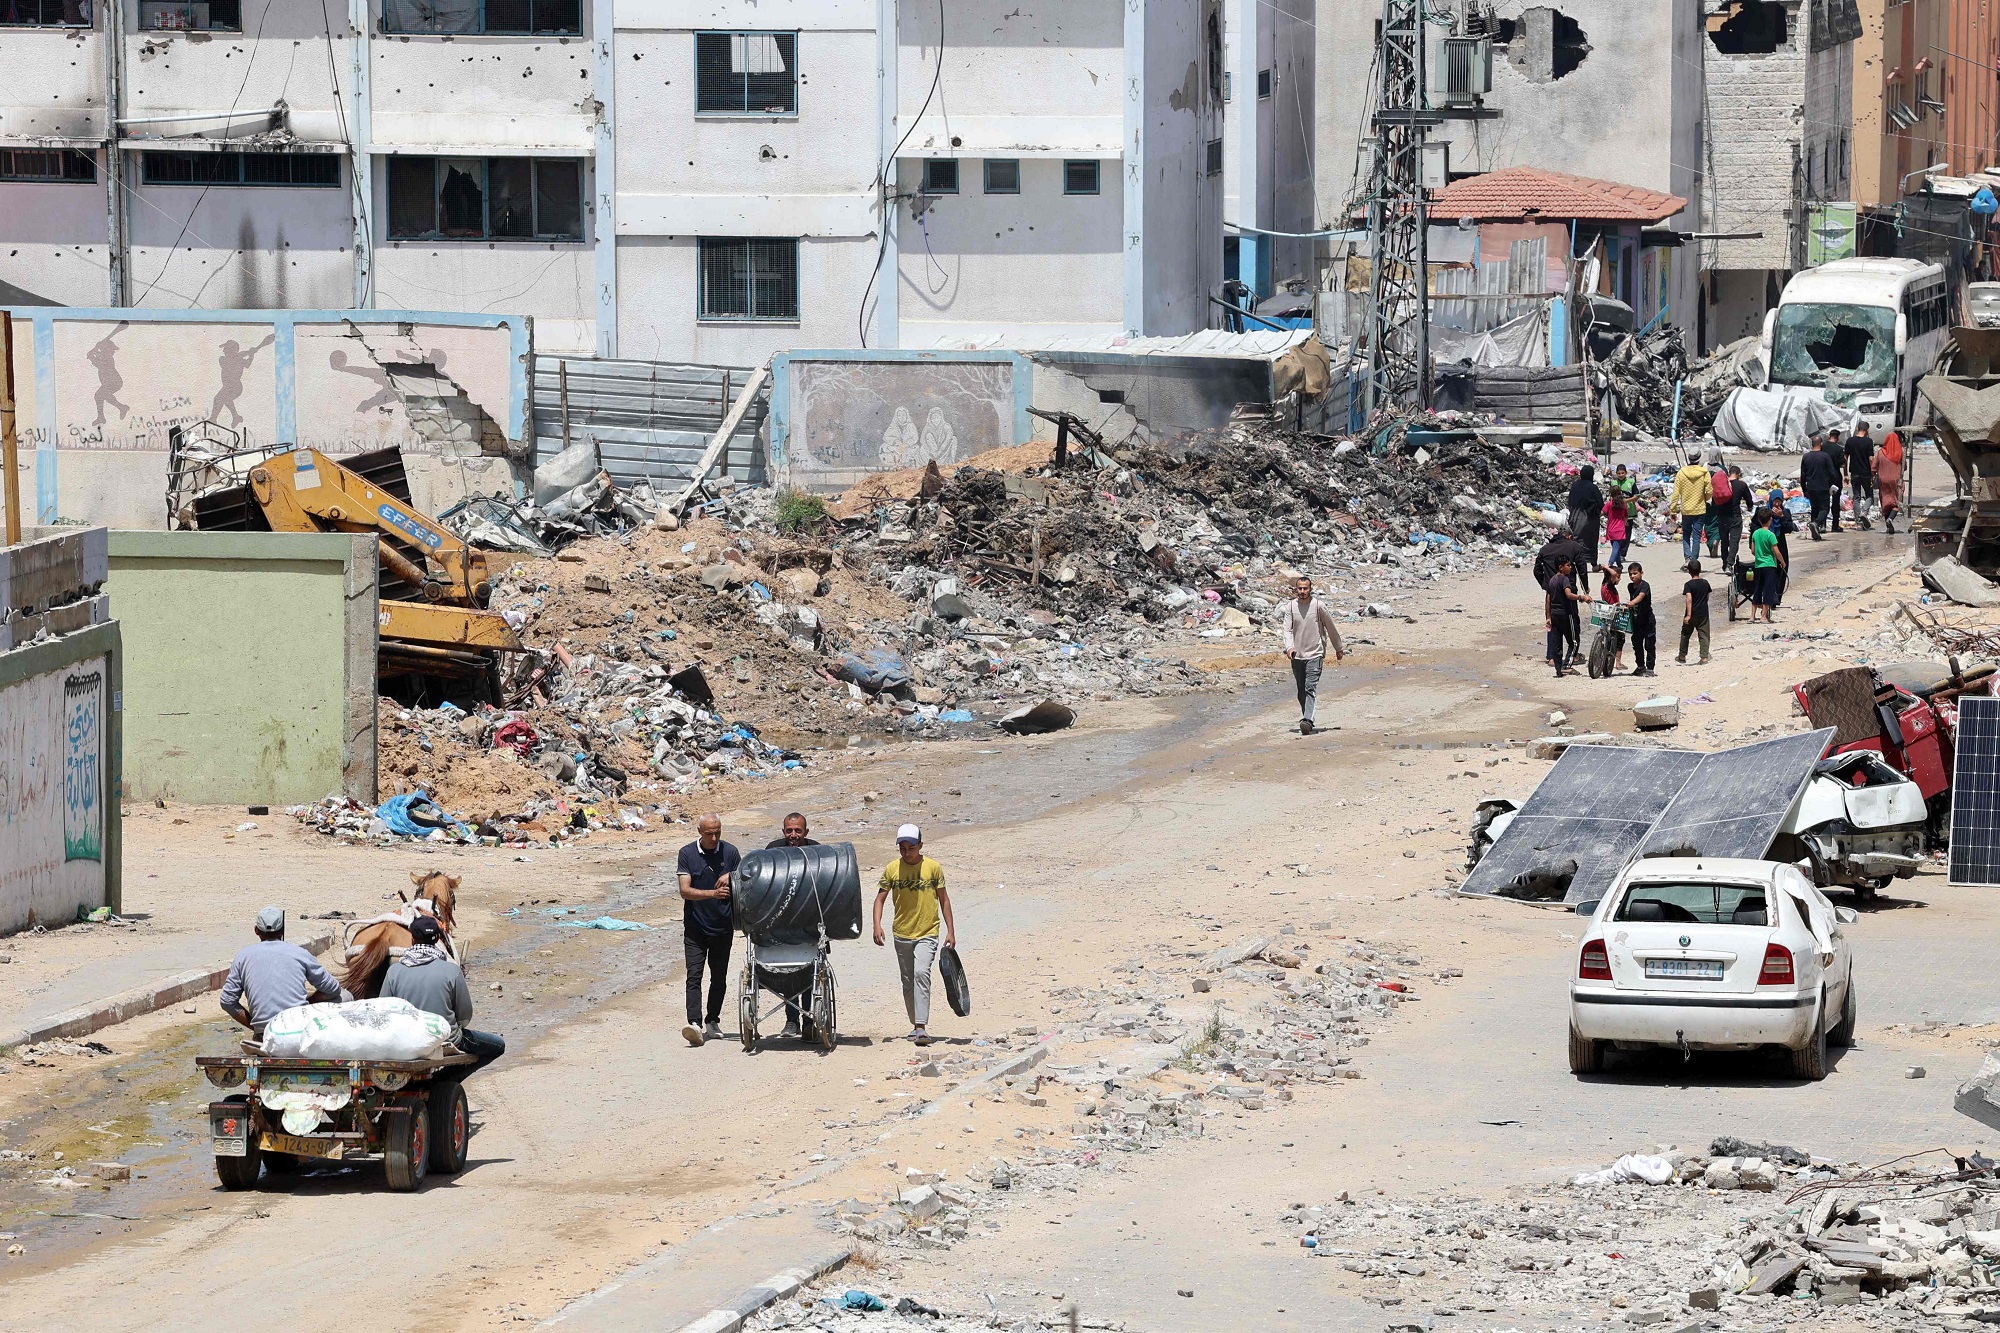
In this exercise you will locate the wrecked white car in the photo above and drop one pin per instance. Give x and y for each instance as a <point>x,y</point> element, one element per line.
<point>1712,955</point>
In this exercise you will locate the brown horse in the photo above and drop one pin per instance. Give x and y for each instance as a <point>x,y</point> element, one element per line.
<point>365,969</point>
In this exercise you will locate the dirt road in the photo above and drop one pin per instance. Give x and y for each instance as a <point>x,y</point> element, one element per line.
<point>1155,830</point>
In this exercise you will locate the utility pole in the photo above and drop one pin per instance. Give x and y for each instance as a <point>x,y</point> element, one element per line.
<point>1399,299</point>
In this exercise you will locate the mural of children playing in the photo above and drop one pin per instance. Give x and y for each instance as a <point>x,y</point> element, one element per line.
<point>231,362</point>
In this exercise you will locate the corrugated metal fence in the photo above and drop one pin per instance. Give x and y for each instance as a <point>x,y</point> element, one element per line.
<point>652,420</point>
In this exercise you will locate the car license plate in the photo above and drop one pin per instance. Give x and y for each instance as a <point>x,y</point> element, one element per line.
<point>1696,969</point>
<point>302,1147</point>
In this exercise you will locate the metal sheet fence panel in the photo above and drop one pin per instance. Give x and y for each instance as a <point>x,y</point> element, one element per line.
<point>651,420</point>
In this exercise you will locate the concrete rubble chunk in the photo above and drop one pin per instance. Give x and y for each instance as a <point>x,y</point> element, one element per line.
<point>922,1202</point>
<point>1551,747</point>
<point>1658,713</point>
<point>1230,955</point>
<point>1979,1096</point>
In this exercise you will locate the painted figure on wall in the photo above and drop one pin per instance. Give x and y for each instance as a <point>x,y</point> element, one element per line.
<point>103,358</point>
<point>384,396</point>
<point>902,445</point>
<point>230,363</point>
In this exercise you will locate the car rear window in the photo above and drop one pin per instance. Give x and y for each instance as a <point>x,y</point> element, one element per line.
<point>1696,904</point>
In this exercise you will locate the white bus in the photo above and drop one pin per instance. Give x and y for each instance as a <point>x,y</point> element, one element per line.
<point>1862,332</point>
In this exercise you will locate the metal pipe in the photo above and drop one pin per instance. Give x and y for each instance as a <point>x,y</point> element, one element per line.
<point>1239,310</point>
<point>1296,235</point>
<point>10,450</point>
<point>119,258</point>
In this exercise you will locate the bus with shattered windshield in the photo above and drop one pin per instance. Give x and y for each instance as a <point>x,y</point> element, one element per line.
<point>1861,332</point>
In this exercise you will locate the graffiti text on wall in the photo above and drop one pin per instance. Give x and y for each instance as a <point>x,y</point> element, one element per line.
<point>83,774</point>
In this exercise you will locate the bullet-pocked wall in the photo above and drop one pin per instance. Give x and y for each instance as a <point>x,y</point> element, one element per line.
<point>746,141</point>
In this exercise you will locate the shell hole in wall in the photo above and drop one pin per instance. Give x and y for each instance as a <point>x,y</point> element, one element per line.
<point>1544,44</point>
<point>1749,28</point>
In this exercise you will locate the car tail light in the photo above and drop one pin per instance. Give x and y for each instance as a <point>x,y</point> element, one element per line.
<point>1594,964</point>
<point>1777,966</point>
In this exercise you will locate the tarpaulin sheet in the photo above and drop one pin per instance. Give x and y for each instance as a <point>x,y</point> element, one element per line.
<point>1781,420</point>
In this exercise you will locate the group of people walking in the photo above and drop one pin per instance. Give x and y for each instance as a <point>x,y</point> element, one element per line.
<point>913,882</point>
<point>1870,473</point>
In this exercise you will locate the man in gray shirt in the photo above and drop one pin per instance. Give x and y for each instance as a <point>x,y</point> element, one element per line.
<point>430,981</point>
<point>271,976</point>
<point>1308,629</point>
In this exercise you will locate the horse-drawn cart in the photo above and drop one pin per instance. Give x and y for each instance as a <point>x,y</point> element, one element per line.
<point>409,1114</point>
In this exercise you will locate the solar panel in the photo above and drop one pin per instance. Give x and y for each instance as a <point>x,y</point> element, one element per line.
<point>1570,838</point>
<point>1735,800</point>
<point>1975,794</point>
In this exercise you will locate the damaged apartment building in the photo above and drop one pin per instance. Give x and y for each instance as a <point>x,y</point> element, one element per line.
<point>1740,107</point>
<point>705,183</point>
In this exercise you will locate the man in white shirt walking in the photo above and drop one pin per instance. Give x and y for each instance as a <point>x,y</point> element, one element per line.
<point>1309,628</point>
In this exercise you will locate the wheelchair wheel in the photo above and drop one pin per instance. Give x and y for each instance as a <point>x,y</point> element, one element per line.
<point>825,1011</point>
<point>746,1007</point>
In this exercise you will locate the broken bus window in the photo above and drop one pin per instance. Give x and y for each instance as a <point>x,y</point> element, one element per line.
<point>1831,345</point>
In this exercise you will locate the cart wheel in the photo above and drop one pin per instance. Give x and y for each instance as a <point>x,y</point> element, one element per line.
<point>450,1127</point>
<point>825,1011</point>
<point>406,1145</point>
<point>746,1014</point>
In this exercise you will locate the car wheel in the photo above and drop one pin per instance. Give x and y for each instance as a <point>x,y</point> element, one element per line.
<point>1809,1060</point>
<point>1843,1031</point>
<point>1585,1055</point>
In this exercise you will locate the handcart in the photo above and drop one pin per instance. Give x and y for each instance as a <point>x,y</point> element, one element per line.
<point>791,903</point>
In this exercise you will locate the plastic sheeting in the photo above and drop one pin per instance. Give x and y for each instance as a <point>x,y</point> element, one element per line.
<point>1518,342</point>
<point>1778,420</point>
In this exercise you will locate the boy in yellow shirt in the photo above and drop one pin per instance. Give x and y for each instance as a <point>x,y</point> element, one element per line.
<point>917,882</point>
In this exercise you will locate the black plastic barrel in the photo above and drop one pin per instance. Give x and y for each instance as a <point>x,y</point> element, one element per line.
<point>783,895</point>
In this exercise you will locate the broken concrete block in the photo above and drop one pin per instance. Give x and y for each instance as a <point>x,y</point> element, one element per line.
<point>111,1170</point>
<point>1721,1175</point>
<point>1754,1173</point>
<point>1979,1096</point>
<point>916,1175</point>
<point>1657,713</point>
<point>1707,1298</point>
<point>596,583</point>
<point>1231,954</point>
<point>1233,619</point>
<point>921,1202</point>
<point>1282,957</point>
<point>1841,1287</point>
<point>1551,747</point>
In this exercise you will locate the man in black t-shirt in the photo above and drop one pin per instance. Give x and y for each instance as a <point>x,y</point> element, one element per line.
<point>706,870</point>
<point>1861,472</point>
<point>1562,618</point>
<point>794,836</point>
<point>1694,612</point>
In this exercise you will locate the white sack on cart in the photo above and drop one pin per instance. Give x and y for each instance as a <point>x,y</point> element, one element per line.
<point>384,1029</point>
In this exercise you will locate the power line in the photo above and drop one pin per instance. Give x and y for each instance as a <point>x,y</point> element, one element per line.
<point>885,191</point>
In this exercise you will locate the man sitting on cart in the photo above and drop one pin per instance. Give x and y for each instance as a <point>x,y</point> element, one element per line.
<point>272,975</point>
<point>428,979</point>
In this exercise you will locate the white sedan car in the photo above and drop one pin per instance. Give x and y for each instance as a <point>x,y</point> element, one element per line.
<point>1702,954</point>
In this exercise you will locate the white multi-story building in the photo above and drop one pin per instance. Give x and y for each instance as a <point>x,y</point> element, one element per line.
<point>708,180</point>
<point>1267,173</point>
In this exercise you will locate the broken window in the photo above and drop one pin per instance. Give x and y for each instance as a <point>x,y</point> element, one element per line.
<point>1749,28</point>
<point>194,16</point>
<point>45,13</point>
<point>752,73</point>
<point>1832,345</point>
<point>1545,44</point>
<point>495,17</point>
<point>478,198</point>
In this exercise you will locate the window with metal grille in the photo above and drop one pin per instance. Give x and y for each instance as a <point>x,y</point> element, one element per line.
<point>940,175</point>
<point>493,17</point>
<point>190,15</point>
<point>1080,177</point>
<point>1215,157</point>
<point>748,279</point>
<point>1003,175</point>
<point>45,14</point>
<point>1263,84</point>
<point>313,170</point>
<point>485,198</point>
<point>46,164</point>
<point>753,73</point>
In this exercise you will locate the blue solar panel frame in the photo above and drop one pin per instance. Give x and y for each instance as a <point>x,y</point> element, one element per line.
<point>1594,808</point>
<point>1975,794</point>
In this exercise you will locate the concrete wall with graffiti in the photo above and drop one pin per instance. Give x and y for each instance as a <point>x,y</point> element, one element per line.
<point>837,417</point>
<point>58,779</point>
<point>100,391</point>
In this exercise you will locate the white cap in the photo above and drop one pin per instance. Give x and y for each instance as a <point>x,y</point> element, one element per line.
<point>909,833</point>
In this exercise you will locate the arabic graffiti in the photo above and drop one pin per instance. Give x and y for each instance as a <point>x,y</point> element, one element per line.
<point>83,774</point>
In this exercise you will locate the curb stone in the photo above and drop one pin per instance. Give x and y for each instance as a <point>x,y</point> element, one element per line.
<point>83,1021</point>
<point>777,1287</point>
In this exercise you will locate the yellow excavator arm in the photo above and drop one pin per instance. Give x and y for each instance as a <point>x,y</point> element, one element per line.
<point>302,490</point>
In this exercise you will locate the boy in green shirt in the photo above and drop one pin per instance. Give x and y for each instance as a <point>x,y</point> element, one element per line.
<point>917,882</point>
<point>1768,561</point>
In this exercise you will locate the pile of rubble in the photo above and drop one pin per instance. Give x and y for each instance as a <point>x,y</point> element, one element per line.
<point>1739,1235</point>
<point>1643,374</point>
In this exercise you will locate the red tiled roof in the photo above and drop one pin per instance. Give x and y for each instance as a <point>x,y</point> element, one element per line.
<point>1522,193</point>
